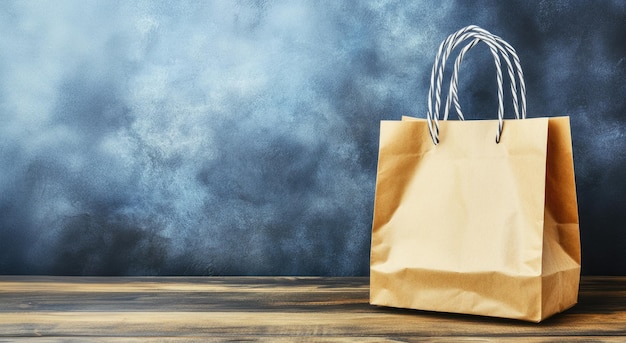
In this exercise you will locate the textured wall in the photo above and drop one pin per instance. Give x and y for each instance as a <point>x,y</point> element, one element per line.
<point>240,137</point>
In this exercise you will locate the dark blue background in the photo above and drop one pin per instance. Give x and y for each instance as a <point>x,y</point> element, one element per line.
<point>240,137</point>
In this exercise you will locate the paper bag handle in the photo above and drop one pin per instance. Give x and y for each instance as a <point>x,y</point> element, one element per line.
<point>453,91</point>
<point>443,57</point>
<point>506,50</point>
<point>497,47</point>
<point>450,43</point>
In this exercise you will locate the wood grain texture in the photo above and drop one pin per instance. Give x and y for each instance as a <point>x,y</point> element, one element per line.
<point>276,309</point>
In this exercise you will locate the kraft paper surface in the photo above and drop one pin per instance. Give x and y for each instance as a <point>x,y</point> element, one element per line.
<point>473,226</point>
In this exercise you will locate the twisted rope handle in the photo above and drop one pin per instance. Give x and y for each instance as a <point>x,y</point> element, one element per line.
<point>433,124</point>
<point>506,50</point>
<point>497,46</point>
<point>495,49</point>
<point>453,90</point>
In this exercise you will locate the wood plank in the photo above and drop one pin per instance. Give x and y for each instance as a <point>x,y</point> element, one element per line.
<point>275,309</point>
<point>188,339</point>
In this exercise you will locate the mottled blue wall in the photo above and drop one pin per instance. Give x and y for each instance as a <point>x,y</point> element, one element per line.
<point>240,137</point>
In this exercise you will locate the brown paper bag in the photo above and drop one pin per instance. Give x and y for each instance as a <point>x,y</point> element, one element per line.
<point>465,224</point>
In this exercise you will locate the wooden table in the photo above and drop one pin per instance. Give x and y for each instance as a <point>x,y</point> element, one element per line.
<point>276,309</point>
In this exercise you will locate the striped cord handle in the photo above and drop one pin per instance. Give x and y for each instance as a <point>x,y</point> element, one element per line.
<point>506,50</point>
<point>497,47</point>
<point>438,68</point>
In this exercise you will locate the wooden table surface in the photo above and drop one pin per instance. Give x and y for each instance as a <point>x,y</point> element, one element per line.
<point>274,309</point>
